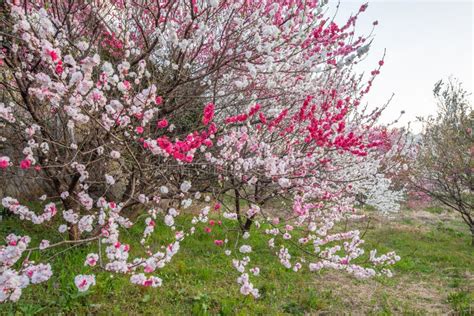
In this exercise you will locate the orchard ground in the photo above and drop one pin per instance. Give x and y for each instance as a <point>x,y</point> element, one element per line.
<point>435,276</point>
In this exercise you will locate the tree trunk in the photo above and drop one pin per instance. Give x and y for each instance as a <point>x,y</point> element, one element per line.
<point>249,221</point>
<point>73,232</point>
<point>237,207</point>
<point>248,224</point>
<point>73,228</point>
<point>130,188</point>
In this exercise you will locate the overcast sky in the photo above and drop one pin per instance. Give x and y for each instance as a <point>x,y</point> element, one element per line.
<point>425,41</point>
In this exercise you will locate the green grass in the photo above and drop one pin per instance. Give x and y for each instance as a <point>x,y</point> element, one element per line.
<point>201,280</point>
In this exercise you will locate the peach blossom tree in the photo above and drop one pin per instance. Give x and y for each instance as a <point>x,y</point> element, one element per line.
<point>114,107</point>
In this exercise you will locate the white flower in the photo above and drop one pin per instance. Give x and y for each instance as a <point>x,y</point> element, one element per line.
<point>85,223</point>
<point>62,228</point>
<point>82,45</point>
<point>109,179</point>
<point>315,266</point>
<point>255,271</point>
<point>142,199</point>
<point>173,212</point>
<point>39,273</point>
<point>107,68</point>
<point>245,249</point>
<point>44,244</point>
<point>186,203</point>
<point>141,279</point>
<point>284,182</point>
<point>169,220</point>
<point>70,216</point>
<point>115,154</point>
<point>185,186</point>
<point>271,243</point>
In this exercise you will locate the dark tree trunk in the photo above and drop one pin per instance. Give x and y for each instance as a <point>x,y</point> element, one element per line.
<point>74,232</point>
<point>73,228</point>
<point>237,207</point>
<point>249,221</point>
<point>247,225</point>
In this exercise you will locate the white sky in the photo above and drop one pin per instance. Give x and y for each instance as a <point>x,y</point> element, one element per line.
<point>425,41</point>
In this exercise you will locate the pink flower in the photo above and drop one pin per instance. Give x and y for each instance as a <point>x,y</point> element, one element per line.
<point>139,130</point>
<point>163,123</point>
<point>207,143</point>
<point>254,109</point>
<point>4,162</point>
<point>83,282</point>
<point>91,259</point>
<point>212,222</point>
<point>53,55</point>
<point>218,242</point>
<point>217,206</point>
<point>59,67</point>
<point>207,229</point>
<point>51,209</point>
<point>158,100</point>
<point>208,113</point>
<point>25,164</point>
<point>148,282</point>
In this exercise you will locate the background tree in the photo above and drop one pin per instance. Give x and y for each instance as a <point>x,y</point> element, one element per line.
<point>444,162</point>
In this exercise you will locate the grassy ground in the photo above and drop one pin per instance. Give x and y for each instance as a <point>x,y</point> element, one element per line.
<point>435,276</point>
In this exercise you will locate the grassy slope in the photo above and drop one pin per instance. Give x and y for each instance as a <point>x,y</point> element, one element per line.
<point>434,276</point>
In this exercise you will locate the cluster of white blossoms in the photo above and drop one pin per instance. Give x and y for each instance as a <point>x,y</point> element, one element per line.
<point>13,281</point>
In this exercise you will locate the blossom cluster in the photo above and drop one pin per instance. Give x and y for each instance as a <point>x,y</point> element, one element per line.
<point>13,281</point>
